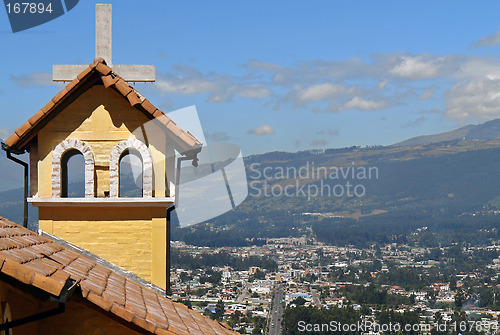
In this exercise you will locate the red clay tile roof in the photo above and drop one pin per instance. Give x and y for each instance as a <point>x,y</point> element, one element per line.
<point>96,71</point>
<point>40,262</point>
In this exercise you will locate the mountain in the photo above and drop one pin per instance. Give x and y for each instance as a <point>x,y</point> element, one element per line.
<point>424,194</point>
<point>433,194</point>
<point>486,131</point>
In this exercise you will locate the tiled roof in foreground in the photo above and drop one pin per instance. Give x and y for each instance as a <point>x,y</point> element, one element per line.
<point>96,72</point>
<point>40,262</point>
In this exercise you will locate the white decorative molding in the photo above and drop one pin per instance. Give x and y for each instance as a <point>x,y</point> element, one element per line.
<point>114,167</point>
<point>88,156</point>
<point>101,202</point>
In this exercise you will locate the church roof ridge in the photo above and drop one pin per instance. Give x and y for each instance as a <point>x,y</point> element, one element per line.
<point>40,263</point>
<point>98,69</point>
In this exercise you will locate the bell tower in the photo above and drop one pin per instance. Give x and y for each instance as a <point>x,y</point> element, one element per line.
<point>99,116</point>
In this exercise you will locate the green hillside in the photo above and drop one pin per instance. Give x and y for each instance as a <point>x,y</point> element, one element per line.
<point>444,192</point>
<point>452,188</point>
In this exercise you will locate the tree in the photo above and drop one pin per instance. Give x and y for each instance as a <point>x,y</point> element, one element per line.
<point>365,310</point>
<point>219,310</point>
<point>486,297</point>
<point>299,301</point>
<point>257,330</point>
<point>459,300</point>
<point>412,299</point>
<point>453,283</point>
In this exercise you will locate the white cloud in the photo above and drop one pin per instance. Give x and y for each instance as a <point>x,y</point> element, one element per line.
<point>476,67</point>
<point>488,41</point>
<point>262,130</point>
<point>478,99</point>
<point>186,85</point>
<point>321,92</point>
<point>364,105</point>
<point>33,79</point>
<point>418,67</point>
<point>253,91</point>
<point>219,88</point>
<point>382,81</point>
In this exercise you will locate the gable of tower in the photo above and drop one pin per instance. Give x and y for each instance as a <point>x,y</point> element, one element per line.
<point>96,115</point>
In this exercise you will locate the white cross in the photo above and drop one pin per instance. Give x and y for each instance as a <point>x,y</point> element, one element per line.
<point>139,73</point>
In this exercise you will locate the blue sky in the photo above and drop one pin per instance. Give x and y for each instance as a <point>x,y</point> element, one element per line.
<point>281,75</point>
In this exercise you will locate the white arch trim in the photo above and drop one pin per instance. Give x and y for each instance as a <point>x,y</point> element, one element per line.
<point>88,157</point>
<point>147,167</point>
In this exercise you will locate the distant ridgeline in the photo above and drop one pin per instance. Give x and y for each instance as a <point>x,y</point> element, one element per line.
<point>421,194</point>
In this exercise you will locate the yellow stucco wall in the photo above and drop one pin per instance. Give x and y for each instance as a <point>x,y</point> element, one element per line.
<point>133,238</point>
<point>78,318</point>
<point>101,118</point>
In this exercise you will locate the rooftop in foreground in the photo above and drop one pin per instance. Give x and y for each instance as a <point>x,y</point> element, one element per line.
<point>46,267</point>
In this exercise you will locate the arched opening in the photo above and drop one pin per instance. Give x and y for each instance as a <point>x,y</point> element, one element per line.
<point>143,176</point>
<point>131,172</point>
<point>68,147</point>
<point>72,174</point>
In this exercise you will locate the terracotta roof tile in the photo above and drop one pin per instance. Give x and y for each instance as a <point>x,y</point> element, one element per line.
<point>46,249</point>
<point>114,295</point>
<point>4,232</point>
<point>22,273</point>
<point>60,276</point>
<point>24,134</point>
<point>16,254</point>
<point>99,301</point>
<point>122,313</point>
<point>41,263</point>
<point>188,139</point>
<point>149,107</point>
<point>158,114</point>
<point>94,287</point>
<point>172,126</point>
<point>40,267</point>
<point>59,96</point>
<point>85,291</point>
<point>23,129</point>
<point>133,98</point>
<point>103,68</point>
<point>47,107</point>
<point>64,257</point>
<point>122,87</point>
<point>85,72</point>
<point>72,84</point>
<point>50,264</point>
<point>170,312</point>
<point>48,284</point>
<point>12,140</point>
<point>7,243</point>
<point>144,324</point>
<point>76,273</point>
<point>160,331</point>
<point>109,80</point>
